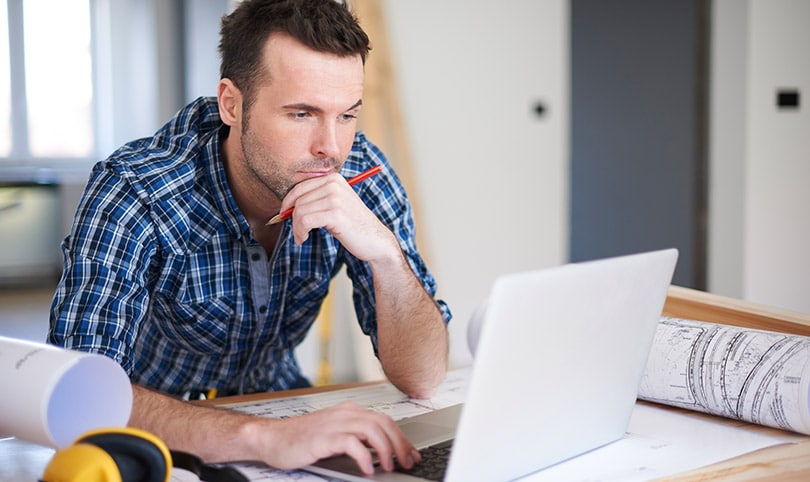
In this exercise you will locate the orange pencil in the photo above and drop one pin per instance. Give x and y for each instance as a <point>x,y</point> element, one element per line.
<point>356,179</point>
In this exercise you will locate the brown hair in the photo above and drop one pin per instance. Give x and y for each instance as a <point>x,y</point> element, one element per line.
<point>322,25</point>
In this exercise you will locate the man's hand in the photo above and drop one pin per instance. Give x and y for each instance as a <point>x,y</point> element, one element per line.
<point>218,435</point>
<point>343,429</point>
<point>329,202</point>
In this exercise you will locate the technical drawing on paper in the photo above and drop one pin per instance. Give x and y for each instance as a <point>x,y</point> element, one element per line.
<point>752,375</point>
<point>382,398</point>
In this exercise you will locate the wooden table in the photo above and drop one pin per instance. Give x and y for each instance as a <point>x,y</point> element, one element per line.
<point>20,461</point>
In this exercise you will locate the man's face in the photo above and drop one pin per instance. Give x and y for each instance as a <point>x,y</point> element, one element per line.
<point>302,122</point>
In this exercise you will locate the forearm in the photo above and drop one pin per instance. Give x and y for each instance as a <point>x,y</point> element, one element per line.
<point>411,334</point>
<point>213,434</point>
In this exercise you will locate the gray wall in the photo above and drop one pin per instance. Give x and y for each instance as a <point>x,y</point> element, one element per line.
<point>637,131</point>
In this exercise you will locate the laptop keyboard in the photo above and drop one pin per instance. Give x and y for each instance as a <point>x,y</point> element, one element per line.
<point>433,464</point>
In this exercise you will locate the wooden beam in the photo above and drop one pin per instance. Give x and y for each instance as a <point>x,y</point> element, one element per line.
<point>698,305</point>
<point>381,118</point>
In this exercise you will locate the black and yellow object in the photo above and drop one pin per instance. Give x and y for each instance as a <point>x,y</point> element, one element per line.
<point>112,455</point>
<point>128,455</point>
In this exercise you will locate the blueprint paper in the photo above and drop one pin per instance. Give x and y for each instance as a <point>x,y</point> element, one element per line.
<point>51,396</point>
<point>381,398</point>
<point>752,375</point>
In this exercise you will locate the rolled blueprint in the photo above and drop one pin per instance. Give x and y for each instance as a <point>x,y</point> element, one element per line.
<point>758,376</point>
<point>50,395</point>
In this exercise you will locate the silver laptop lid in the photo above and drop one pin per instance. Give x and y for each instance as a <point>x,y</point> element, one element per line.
<point>560,356</point>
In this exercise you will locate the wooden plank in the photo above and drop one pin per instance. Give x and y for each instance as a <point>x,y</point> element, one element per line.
<point>296,392</point>
<point>381,118</point>
<point>699,305</point>
<point>790,462</point>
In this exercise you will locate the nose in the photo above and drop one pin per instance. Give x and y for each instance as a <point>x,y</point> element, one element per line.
<point>325,143</point>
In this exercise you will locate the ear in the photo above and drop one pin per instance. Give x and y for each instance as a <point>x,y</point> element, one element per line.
<point>229,98</point>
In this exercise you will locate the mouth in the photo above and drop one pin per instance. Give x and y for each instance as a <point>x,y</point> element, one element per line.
<point>318,170</point>
<point>312,168</point>
<point>301,176</point>
<point>316,173</point>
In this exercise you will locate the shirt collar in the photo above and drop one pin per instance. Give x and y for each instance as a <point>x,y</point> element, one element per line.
<point>232,216</point>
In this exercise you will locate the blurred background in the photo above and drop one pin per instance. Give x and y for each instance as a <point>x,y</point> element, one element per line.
<point>529,133</point>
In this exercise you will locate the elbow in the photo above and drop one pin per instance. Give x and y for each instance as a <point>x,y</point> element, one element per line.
<point>421,393</point>
<point>423,387</point>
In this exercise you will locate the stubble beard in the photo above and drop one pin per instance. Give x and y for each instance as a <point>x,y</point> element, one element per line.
<point>269,171</point>
<point>264,168</point>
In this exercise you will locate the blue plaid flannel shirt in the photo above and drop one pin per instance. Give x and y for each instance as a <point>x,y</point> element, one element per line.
<point>161,272</point>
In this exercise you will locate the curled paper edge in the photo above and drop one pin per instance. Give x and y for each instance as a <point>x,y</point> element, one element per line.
<point>54,395</point>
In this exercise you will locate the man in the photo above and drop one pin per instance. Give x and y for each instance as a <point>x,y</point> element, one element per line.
<point>171,269</point>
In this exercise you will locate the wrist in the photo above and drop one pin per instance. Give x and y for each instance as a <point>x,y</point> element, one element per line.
<point>252,438</point>
<point>390,261</point>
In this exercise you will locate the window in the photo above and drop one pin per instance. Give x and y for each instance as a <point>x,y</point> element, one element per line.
<point>46,87</point>
<point>5,85</point>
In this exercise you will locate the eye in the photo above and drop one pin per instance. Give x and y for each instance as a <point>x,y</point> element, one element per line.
<point>348,117</point>
<point>299,115</point>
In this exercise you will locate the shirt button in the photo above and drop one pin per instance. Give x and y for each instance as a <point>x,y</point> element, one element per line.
<point>255,256</point>
<point>263,309</point>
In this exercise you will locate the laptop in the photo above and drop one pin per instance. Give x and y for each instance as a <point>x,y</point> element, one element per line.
<point>556,371</point>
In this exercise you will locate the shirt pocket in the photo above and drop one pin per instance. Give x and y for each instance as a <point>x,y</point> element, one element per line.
<point>200,326</point>
<point>189,313</point>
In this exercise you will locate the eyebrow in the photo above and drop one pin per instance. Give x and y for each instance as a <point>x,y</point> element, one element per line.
<point>312,108</point>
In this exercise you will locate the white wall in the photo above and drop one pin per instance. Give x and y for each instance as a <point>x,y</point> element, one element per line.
<point>492,176</point>
<point>777,258</point>
<point>760,157</point>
